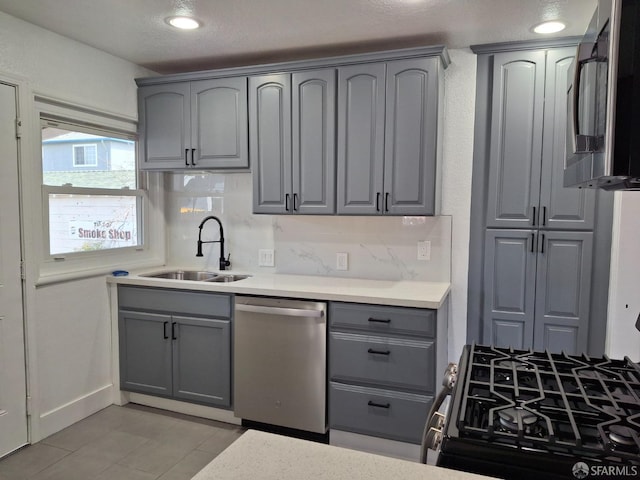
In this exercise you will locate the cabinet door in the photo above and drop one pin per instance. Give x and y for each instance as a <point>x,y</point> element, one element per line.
<point>314,120</point>
<point>202,360</point>
<point>561,208</point>
<point>361,104</point>
<point>563,289</point>
<point>515,145</point>
<point>509,288</point>
<point>145,352</point>
<point>270,142</point>
<point>219,123</point>
<point>164,126</point>
<point>410,138</point>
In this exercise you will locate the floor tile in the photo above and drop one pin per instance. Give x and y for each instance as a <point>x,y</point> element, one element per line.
<point>119,472</point>
<point>30,460</point>
<point>186,468</point>
<point>221,439</point>
<point>155,457</point>
<point>113,446</point>
<point>76,466</point>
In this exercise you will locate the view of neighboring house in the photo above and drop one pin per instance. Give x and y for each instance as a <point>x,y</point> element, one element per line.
<point>89,220</point>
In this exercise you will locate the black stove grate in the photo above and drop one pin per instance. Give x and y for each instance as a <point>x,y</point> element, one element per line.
<point>573,405</point>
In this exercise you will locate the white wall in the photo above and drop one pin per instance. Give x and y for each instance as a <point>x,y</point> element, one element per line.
<point>67,323</point>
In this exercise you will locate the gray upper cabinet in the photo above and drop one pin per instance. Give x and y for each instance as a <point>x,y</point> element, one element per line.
<point>515,145</point>
<point>292,142</point>
<point>361,104</point>
<point>561,208</point>
<point>411,137</point>
<point>164,126</point>
<point>201,124</point>
<point>387,135</point>
<point>270,142</point>
<point>527,145</point>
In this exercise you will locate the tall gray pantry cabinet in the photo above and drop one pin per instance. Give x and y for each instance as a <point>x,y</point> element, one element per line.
<point>535,256</point>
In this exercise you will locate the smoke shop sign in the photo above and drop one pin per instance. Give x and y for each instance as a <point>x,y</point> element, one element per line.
<point>101,230</point>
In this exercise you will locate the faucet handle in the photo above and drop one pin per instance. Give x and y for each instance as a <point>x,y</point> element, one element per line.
<point>224,263</point>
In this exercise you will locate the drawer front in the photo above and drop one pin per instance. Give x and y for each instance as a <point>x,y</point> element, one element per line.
<point>391,362</point>
<point>383,319</point>
<point>381,413</point>
<point>180,301</point>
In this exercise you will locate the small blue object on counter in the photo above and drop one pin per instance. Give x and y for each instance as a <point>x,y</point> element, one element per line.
<point>119,273</point>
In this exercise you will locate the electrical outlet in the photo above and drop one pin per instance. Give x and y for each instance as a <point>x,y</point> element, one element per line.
<point>342,261</point>
<point>424,250</point>
<point>266,258</point>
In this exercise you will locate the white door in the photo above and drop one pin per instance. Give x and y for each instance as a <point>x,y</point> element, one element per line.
<point>13,396</point>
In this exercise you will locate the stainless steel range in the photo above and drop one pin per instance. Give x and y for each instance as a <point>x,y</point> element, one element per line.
<point>522,415</point>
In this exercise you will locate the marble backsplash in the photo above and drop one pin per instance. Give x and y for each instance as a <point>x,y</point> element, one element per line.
<point>378,247</point>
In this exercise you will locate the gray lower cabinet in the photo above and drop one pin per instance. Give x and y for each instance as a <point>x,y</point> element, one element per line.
<point>175,344</point>
<point>537,289</point>
<point>387,135</point>
<point>292,142</point>
<point>199,124</point>
<point>382,369</point>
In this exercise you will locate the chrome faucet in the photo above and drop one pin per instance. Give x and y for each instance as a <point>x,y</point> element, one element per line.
<point>224,262</point>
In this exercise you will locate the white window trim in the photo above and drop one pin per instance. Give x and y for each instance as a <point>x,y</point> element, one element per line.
<point>54,269</point>
<point>84,147</point>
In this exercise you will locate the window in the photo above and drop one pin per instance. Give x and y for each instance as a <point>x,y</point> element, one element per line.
<point>85,155</point>
<point>93,209</point>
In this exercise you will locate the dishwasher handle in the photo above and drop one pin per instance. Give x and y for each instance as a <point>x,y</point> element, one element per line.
<point>287,312</point>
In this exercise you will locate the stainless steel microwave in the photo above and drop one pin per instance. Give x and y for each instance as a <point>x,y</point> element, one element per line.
<point>603,101</point>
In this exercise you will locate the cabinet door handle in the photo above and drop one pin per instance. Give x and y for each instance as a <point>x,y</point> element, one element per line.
<point>542,244</point>
<point>379,320</point>
<point>286,202</point>
<point>533,217</point>
<point>164,330</point>
<point>533,241</point>
<point>192,154</point>
<point>378,202</point>
<point>295,197</point>
<point>379,352</point>
<point>186,152</point>
<point>379,405</point>
<point>173,331</point>
<point>544,216</point>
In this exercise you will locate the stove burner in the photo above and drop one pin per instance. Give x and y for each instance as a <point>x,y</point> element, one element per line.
<point>513,363</point>
<point>621,435</point>
<point>509,419</point>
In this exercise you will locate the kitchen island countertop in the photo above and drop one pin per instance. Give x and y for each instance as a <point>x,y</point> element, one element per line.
<point>405,293</point>
<point>265,456</point>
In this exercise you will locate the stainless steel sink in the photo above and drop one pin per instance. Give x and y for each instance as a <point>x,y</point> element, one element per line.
<point>184,275</point>
<point>196,275</point>
<point>227,278</point>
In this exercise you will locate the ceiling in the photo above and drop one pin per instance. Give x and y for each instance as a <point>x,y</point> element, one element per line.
<point>239,32</point>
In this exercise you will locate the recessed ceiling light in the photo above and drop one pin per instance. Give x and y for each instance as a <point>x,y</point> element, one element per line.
<point>549,27</point>
<point>183,23</point>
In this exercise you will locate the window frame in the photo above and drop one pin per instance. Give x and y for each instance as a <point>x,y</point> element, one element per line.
<point>150,252</point>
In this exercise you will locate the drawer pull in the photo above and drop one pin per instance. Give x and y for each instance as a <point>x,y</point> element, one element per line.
<point>379,405</point>
<point>380,320</point>
<point>379,352</point>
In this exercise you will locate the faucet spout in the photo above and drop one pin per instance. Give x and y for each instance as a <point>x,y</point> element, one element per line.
<point>224,262</point>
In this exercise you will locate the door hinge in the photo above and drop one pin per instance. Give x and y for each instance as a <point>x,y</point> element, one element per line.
<point>29,405</point>
<point>18,128</point>
<point>22,274</point>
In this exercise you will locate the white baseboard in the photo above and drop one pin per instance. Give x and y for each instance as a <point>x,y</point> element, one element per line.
<point>380,446</point>
<point>60,418</point>
<point>182,407</point>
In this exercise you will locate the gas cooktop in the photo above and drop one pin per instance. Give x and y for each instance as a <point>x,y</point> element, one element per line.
<point>518,406</point>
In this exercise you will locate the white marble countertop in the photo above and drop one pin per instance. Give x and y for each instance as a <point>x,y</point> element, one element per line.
<point>382,292</point>
<point>265,456</point>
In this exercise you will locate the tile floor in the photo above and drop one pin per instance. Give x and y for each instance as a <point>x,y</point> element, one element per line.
<point>123,443</point>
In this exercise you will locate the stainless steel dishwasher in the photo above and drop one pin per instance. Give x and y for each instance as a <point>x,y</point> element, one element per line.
<point>279,362</point>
